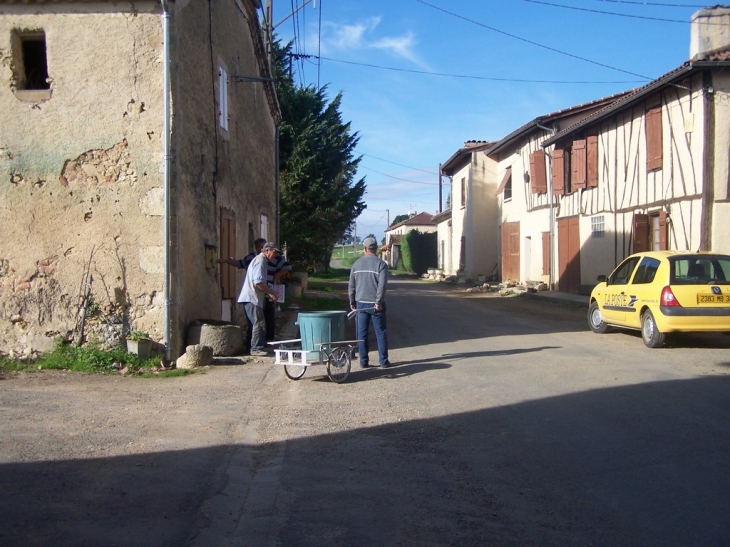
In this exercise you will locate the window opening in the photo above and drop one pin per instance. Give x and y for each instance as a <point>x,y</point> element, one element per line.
<point>598,228</point>
<point>35,61</point>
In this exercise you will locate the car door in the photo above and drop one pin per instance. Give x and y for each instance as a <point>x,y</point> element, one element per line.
<point>616,300</point>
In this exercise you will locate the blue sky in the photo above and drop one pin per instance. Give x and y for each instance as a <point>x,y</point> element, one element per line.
<point>421,77</point>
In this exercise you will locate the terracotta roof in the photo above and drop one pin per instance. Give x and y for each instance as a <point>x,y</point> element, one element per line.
<point>717,59</point>
<point>552,117</point>
<point>445,215</point>
<point>421,219</point>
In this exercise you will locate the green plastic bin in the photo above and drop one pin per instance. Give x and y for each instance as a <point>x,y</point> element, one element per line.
<point>317,327</point>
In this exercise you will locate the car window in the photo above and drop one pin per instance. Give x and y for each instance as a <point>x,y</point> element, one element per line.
<point>646,271</point>
<point>622,274</point>
<point>699,269</point>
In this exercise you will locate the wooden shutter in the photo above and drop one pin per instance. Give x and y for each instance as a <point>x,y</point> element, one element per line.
<point>662,231</point>
<point>546,253</point>
<point>558,172</point>
<point>592,160</point>
<point>228,249</point>
<point>538,173</point>
<point>578,164</point>
<point>641,233</point>
<point>653,128</point>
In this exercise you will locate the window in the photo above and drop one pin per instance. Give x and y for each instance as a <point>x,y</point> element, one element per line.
<point>223,98</point>
<point>506,185</point>
<point>33,65</point>
<point>264,226</point>
<point>650,232</point>
<point>646,271</point>
<point>622,274</point>
<point>463,192</point>
<point>598,227</point>
<point>538,173</point>
<point>653,125</point>
<point>693,270</point>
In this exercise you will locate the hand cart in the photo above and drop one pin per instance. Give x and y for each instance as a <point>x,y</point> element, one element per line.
<point>337,355</point>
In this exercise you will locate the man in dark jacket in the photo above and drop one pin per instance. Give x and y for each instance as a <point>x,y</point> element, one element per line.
<point>366,289</point>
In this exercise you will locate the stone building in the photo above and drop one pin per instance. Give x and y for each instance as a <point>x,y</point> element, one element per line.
<point>137,145</point>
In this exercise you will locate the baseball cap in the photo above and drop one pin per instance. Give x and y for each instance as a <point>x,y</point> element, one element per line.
<point>370,243</point>
<point>270,245</point>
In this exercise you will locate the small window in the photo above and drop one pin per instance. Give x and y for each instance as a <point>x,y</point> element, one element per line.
<point>264,226</point>
<point>34,63</point>
<point>598,227</point>
<point>654,145</point>
<point>506,185</point>
<point>223,98</point>
<point>463,192</point>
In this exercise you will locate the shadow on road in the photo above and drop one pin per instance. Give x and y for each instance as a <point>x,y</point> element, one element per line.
<point>632,465</point>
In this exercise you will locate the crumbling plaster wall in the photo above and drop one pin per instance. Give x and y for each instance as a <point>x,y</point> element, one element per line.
<point>80,176</point>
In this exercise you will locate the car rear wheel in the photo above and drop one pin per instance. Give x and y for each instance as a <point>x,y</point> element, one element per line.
<point>595,319</point>
<point>651,335</point>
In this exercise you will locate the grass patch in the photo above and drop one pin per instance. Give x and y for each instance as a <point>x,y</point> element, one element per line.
<point>334,274</point>
<point>91,359</point>
<point>314,303</point>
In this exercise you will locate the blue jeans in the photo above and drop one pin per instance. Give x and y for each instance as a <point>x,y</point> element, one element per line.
<point>255,315</point>
<point>364,317</point>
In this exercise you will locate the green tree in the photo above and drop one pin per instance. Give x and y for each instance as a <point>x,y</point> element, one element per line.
<point>319,196</point>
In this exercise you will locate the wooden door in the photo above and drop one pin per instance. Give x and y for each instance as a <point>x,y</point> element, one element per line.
<point>511,251</point>
<point>568,254</point>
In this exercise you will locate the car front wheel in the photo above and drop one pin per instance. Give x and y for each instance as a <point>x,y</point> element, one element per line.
<point>651,335</point>
<point>595,319</point>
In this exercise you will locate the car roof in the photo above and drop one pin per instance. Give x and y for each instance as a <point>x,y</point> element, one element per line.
<point>667,254</point>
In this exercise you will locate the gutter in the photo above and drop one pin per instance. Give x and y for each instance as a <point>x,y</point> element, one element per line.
<point>166,165</point>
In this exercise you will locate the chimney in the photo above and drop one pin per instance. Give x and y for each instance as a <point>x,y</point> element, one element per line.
<point>710,30</point>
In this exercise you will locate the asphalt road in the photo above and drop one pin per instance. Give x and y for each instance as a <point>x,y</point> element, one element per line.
<point>503,422</point>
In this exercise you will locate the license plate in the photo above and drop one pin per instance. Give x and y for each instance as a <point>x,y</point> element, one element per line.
<point>712,298</point>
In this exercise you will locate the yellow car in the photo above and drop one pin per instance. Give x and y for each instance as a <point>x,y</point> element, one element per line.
<point>661,292</point>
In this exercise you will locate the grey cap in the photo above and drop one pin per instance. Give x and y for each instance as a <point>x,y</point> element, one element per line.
<point>270,245</point>
<point>370,243</point>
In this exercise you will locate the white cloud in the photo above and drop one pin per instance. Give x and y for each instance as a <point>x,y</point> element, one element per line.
<point>362,35</point>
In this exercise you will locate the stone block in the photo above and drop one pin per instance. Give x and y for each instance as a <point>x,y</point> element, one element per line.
<point>195,356</point>
<point>225,339</point>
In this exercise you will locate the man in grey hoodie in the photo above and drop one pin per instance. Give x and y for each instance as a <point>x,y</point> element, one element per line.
<point>366,289</point>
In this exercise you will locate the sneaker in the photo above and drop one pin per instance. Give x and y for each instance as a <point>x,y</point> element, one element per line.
<point>259,353</point>
<point>384,365</point>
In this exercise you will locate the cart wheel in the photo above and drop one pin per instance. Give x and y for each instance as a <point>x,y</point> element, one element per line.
<point>338,365</point>
<point>294,372</point>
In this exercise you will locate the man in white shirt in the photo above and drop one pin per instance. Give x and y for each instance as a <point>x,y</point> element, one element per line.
<point>253,295</point>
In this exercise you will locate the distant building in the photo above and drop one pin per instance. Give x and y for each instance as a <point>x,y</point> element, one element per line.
<point>423,222</point>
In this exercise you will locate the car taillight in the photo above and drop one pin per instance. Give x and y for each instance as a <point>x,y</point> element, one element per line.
<point>668,298</point>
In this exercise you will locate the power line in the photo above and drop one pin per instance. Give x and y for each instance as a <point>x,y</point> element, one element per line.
<point>398,178</point>
<point>487,78</point>
<point>406,166</point>
<point>533,43</point>
<point>682,21</point>
<point>654,4</point>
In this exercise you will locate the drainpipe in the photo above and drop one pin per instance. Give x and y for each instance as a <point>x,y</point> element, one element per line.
<point>166,164</point>
<point>551,275</point>
<point>276,185</point>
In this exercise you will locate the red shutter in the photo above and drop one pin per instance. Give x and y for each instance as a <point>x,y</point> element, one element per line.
<point>654,138</point>
<point>558,172</point>
<point>592,160</point>
<point>578,164</point>
<point>641,233</point>
<point>538,173</point>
